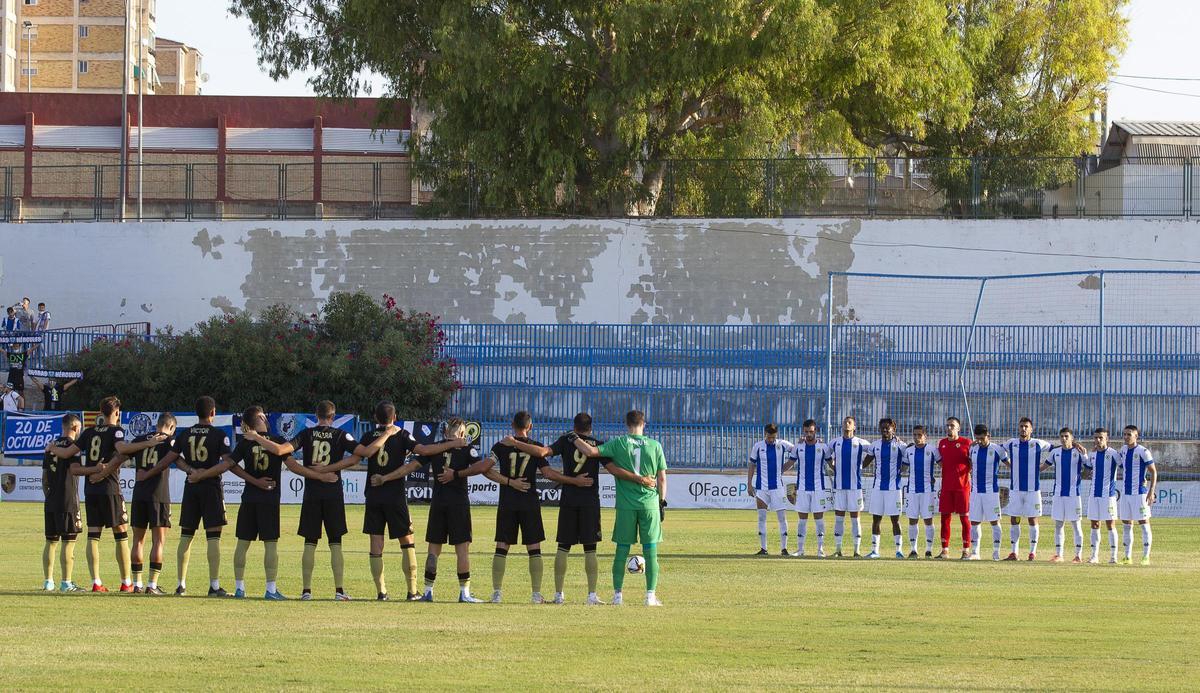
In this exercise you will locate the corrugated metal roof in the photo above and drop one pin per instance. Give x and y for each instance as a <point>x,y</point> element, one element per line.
<point>77,136</point>
<point>271,139</point>
<point>12,135</point>
<point>1160,128</point>
<point>361,140</point>
<point>176,138</point>
<point>1157,150</point>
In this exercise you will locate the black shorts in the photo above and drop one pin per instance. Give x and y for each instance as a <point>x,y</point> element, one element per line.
<point>449,523</point>
<point>579,524</point>
<point>315,512</point>
<point>63,525</point>
<point>202,503</point>
<point>105,511</point>
<point>393,516</point>
<point>527,518</point>
<point>16,379</point>
<point>258,521</point>
<point>143,514</point>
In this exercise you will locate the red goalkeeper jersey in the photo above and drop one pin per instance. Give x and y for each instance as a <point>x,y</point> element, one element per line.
<point>956,463</point>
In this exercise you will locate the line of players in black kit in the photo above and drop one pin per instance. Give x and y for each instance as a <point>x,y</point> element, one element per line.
<point>203,452</point>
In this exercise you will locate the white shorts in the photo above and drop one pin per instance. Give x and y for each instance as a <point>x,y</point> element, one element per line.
<point>1024,504</point>
<point>848,501</point>
<point>1102,508</point>
<point>1133,507</point>
<point>1066,509</point>
<point>920,506</point>
<point>775,500</point>
<point>985,507</point>
<point>886,502</point>
<point>812,501</point>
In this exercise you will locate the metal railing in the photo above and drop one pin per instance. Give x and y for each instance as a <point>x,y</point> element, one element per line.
<point>731,188</point>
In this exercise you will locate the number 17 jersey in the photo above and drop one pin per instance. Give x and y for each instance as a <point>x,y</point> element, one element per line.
<point>515,464</point>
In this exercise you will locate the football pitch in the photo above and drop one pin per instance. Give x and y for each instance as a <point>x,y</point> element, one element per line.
<point>730,621</point>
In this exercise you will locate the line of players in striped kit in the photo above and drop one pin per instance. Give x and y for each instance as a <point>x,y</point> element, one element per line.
<point>905,482</point>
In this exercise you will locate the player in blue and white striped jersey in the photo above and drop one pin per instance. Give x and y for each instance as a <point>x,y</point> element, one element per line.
<point>812,494</point>
<point>1026,456</point>
<point>1102,493</point>
<point>1067,462</point>
<point>920,496</point>
<point>887,454</point>
<point>848,453</point>
<point>986,457</point>
<point>1136,495</point>
<point>769,459</point>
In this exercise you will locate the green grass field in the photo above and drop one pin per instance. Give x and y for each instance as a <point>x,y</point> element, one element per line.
<point>731,621</point>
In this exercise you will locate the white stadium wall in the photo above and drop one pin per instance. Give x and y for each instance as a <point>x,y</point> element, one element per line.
<point>531,271</point>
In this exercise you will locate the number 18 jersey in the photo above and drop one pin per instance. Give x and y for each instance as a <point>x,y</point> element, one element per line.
<point>322,446</point>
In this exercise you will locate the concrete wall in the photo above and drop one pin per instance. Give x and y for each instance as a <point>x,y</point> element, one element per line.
<point>682,271</point>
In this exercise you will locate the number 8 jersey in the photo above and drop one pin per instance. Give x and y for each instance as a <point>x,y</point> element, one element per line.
<point>515,464</point>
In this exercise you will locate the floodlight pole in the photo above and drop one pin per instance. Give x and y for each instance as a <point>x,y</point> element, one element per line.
<point>124,118</point>
<point>962,372</point>
<point>829,361</point>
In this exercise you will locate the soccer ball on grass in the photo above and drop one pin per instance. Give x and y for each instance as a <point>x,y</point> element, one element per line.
<point>636,564</point>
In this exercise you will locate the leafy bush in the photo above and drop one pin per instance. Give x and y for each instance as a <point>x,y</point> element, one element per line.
<point>356,352</point>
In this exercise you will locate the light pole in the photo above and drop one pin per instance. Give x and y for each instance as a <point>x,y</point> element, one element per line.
<point>141,75</point>
<point>28,56</point>
<point>124,119</point>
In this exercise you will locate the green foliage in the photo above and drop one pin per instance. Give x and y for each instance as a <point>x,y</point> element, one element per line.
<point>356,352</point>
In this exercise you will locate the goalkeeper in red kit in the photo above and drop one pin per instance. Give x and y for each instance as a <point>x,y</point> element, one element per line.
<point>955,497</point>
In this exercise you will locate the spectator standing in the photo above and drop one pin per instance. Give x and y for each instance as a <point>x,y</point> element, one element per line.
<point>11,399</point>
<point>51,391</point>
<point>43,318</point>
<point>25,316</point>
<point>10,320</point>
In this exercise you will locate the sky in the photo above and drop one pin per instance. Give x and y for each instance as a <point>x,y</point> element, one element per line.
<point>1161,44</point>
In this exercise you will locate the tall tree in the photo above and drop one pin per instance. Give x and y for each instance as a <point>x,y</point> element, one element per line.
<point>572,104</point>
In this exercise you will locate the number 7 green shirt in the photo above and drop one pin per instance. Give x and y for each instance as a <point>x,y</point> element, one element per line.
<point>642,456</point>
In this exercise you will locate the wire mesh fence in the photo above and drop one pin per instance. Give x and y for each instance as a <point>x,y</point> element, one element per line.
<point>717,188</point>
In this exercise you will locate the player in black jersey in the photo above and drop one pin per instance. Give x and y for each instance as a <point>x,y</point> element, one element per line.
<point>61,489</point>
<point>386,450</point>
<point>258,515</point>
<point>450,506</point>
<point>324,448</point>
<point>151,504</point>
<point>520,504</point>
<point>579,505</point>
<point>104,449</point>
<point>201,452</point>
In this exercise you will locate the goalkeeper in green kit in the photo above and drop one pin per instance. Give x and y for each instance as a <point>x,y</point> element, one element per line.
<point>638,465</point>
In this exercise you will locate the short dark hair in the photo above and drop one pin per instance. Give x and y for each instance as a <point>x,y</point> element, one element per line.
<point>887,421</point>
<point>41,304</point>
<point>955,419</point>
<point>981,429</point>
<point>1131,427</point>
<point>251,413</point>
<point>809,422</point>
<point>770,429</point>
<point>1025,419</point>
<point>325,409</point>
<point>1064,429</point>
<point>165,419</point>
<point>1100,430</point>
<point>385,412</point>
<point>918,428</point>
<point>634,418</point>
<point>583,422</point>
<point>850,418</point>
<point>522,420</point>
<point>205,406</point>
<point>69,420</point>
<point>109,404</point>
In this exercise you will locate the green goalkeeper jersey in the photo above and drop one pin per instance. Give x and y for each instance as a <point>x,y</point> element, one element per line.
<point>642,456</point>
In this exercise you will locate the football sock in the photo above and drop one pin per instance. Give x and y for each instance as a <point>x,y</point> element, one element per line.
<point>239,560</point>
<point>48,558</point>
<point>155,570</point>
<point>214,559</point>
<point>928,538</point>
<point>184,555</point>
<point>499,559</point>
<point>122,551</point>
<point>408,561</point>
<point>591,566</point>
<point>93,556</point>
<point>839,528</point>
<point>338,563</point>
<point>464,583</point>
<point>912,536</point>
<point>1058,537</point>
<point>136,570</point>
<point>875,543</point>
<point>820,522</point>
<point>1034,532</point>
<point>801,534</point>
<point>1112,542</point>
<point>1095,542</point>
<point>856,528</point>
<point>618,566</point>
<point>650,552</point>
<point>1078,537</point>
<point>898,540</point>
<point>560,567</point>
<point>996,534</point>
<point>975,535</point>
<point>762,529</point>
<point>1127,537</point>
<point>535,569</point>
<point>1147,537</point>
<point>67,559</point>
<point>965,522</point>
<point>781,517</point>
<point>271,563</point>
<point>377,572</point>
<point>946,531</point>
<point>1014,537</point>
<point>307,562</point>
<point>430,571</point>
